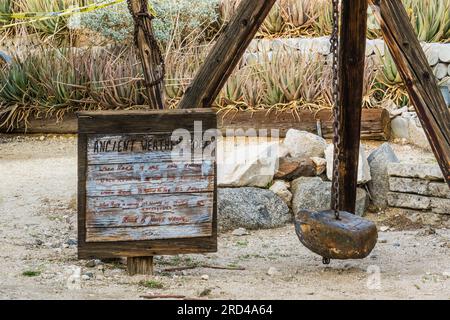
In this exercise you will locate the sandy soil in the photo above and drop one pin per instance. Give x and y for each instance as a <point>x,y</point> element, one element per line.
<point>38,256</point>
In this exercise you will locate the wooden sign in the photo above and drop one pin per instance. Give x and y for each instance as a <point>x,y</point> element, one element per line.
<point>147,183</point>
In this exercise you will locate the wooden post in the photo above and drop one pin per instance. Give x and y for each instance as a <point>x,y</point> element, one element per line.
<point>351,74</point>
<point>140,265</point>
<point>418,77</point>
<point>149,53</point>
<point>226,54</point>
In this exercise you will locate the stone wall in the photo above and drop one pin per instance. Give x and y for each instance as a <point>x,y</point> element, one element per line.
<point>438,54</point>
<point>418,187</point>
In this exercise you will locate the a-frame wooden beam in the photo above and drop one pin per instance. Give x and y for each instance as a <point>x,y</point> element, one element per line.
<point>418,77</point>
<point>352,51</point>
<point>226,54</point>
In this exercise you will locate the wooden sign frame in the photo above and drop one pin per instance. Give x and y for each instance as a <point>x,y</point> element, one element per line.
<point>104,123</point>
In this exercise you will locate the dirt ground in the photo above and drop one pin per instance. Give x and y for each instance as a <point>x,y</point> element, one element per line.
<point>38,247</point>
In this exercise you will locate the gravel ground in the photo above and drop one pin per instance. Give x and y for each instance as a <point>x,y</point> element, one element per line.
<point>38,249</point>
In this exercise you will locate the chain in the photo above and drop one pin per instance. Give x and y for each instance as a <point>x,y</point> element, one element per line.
<point>139,19</point>
<point>334,40</point>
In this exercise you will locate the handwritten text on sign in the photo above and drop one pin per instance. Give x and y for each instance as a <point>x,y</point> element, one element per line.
<point>136,190</point>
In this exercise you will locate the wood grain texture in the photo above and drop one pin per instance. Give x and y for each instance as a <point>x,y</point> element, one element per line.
<point>352,50</point>
<point>149,53</point>
<point>122,122</point>
<point>418,77</point>
<point>120,186</point>
<point>149,233</point>
<point>172,222</point>
<point>154,210</point>
<point>226,54</point>
<point>140,265</point>
<point>375,123</point>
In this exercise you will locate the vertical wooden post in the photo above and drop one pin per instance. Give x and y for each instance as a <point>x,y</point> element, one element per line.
<point>418,76</point>
<point>149,52</point>
<point>226,54</point>
<point>352,58</point>
<point>140,265</point>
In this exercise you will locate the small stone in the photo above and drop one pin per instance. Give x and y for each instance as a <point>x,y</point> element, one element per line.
<point>101,267</point>
<point>281,189</point>
<point>38,242</point>
<point>273,272</point>
<point>396,244</point>
<point>87,276</point>
<point>382,241</point>
<point>292,168</point>
<point>379,161</point>
<point>205,277</point>
<point>72,242</point>
<point>42,138</point>
<point>240,232</point>
<point>304,144</point>
<point>65,245</point>
<point>384,228</point>
<point>92,263</point>
<point>320,164</point>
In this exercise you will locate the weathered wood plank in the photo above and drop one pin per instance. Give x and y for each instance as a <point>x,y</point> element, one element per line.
<point>352,48</point>
<point>145,171</point>
<point>375,123</point>
<point>134,218</point>
<point>226,54</point>
<point>154,149</point>
<point>418,76</point>
<point>121,186</point>
<point>147,203</point>
<point>149,233</point>
<point>122,122</point>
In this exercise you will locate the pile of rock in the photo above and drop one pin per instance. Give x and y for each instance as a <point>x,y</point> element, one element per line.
<point>418,187</point>
<point>407,127</point>
<point>272,181</point>
<point>260,185</point>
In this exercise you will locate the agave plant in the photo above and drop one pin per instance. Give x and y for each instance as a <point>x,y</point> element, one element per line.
<point>274,23</point>
<point>296,13</point>
<point>431,19</point>
<point>390,79</point>
<point>5,8</point>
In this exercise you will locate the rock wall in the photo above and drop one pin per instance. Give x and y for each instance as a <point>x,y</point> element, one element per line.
<point>418,187</point>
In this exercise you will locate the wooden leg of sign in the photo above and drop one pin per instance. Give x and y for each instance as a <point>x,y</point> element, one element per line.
<point>140,265</point>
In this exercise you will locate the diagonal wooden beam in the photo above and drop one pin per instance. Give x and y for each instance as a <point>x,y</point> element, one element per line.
<point>418,77</point>
<point>226,54</point>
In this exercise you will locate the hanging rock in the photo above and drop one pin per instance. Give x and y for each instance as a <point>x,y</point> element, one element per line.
<point>315,194</point>
<point>281,189</point>
<point>363,167</point>
<point>248,165</point>
<point>251,208</point>
<point>379,161</point>
<point>292,168</point>
<point>304,144</point>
